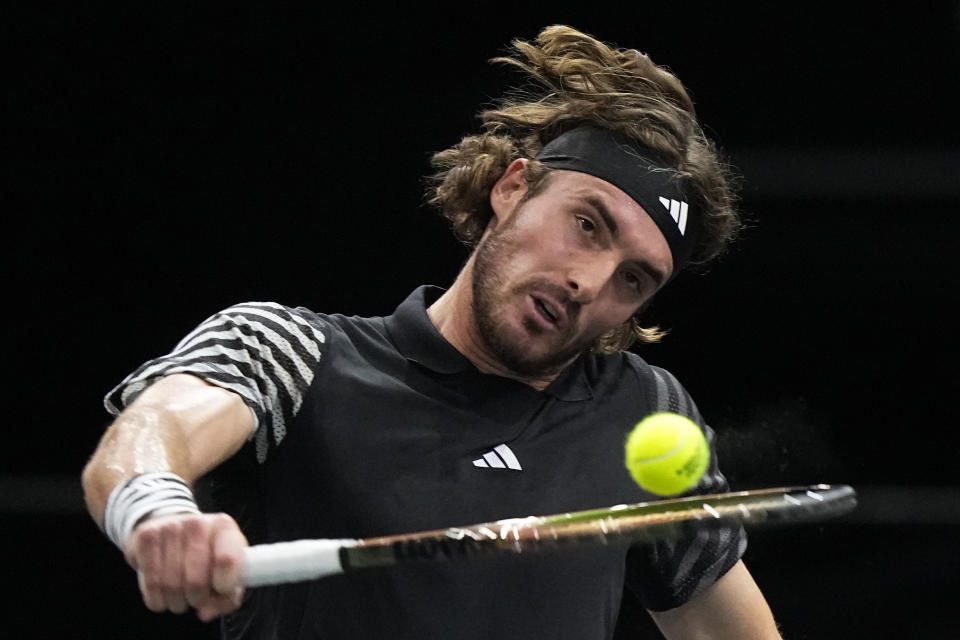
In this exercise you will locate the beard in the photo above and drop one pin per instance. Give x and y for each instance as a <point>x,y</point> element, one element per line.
<point>491,299</point>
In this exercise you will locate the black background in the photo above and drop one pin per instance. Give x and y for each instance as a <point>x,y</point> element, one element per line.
<point>166,162</point>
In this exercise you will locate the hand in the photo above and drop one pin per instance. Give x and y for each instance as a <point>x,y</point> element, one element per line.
<point>189,561</point>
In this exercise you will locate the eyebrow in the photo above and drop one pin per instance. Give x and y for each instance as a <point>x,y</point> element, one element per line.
<point>604,212</point>
<point>601,207</point>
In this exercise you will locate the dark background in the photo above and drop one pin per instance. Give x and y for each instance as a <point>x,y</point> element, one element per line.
<point>166,162</point>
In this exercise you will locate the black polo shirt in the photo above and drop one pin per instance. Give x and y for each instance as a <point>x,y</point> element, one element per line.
<point>376,426</point>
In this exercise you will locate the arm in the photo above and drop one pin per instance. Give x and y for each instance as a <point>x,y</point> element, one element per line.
<point>185,426</point>
<point>731,609</point>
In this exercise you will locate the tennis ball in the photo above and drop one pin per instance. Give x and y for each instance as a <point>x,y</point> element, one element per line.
<point>667,453</point>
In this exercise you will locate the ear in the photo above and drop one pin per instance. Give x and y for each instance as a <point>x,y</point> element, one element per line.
<point>508,190</point>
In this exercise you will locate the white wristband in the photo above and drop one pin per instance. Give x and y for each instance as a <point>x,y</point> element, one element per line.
<point>142,496</point>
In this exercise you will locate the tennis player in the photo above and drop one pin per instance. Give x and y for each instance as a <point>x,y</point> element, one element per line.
<point>508,394</point>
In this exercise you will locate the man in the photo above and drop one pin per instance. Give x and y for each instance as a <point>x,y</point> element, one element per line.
<point>506,395</point>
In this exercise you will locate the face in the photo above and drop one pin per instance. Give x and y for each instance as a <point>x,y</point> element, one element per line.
<point>561,268</point>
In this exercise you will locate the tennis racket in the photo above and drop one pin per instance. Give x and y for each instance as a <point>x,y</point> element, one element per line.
<point>643,522</point>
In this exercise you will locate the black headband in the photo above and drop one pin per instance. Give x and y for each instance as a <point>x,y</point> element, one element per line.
<point>626,164</point>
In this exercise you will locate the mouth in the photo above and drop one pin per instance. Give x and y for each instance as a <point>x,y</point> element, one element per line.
<point>548,311</point>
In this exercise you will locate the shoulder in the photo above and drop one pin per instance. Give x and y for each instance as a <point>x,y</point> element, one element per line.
<point>299,326</point>
<point>666,392</point>
<point>271,316</point>
<point>263,351</point>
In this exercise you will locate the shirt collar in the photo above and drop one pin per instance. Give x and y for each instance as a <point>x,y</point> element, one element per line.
<point>419,341</point>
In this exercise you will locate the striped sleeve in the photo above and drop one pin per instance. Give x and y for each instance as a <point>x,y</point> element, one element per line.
<point>686,566</point>
<point>262,351</point>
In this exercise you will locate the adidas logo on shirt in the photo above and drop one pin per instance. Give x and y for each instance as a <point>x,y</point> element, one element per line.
<point>500,458</point>
<point>678,211</point>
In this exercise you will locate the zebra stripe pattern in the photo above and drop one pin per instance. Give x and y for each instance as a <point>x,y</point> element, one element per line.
<point>262,351</point>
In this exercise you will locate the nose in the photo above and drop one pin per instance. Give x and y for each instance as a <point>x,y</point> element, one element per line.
<point>586,280</point>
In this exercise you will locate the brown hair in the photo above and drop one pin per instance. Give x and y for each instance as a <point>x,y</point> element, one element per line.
<point>584,81</point>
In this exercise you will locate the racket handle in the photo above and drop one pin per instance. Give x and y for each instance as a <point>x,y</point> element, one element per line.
<point>295,561</point>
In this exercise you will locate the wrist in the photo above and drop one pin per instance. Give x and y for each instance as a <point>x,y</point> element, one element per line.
<point>144,496</point>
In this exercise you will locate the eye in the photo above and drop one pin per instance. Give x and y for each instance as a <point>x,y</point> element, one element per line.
<point>586,224</point>
<point>633,280</point>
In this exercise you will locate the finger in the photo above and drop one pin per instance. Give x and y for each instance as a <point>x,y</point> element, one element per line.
<point>228,546</point>
<point>147,557</point>
<point>171,536</point>
<point>217,605</point>
<point>197,546</point>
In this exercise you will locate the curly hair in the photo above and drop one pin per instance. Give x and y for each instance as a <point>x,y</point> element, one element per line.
<point>575,80</point>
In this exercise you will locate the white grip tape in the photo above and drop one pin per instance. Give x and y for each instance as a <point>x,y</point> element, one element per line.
<point>292,561</point>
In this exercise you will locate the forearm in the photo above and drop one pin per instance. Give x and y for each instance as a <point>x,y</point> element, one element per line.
<point>732,609</point>
<point>180,424</point>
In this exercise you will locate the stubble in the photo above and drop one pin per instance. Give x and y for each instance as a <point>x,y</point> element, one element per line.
<point>492,294</point>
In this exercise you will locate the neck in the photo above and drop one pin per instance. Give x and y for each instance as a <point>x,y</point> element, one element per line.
<point>453,316</point>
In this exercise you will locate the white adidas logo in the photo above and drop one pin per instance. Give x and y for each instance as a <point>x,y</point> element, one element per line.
<point>500,458</point>
<point>678,211</point>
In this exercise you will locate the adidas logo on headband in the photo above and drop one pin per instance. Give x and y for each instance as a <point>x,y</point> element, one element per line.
<point>678,211</point>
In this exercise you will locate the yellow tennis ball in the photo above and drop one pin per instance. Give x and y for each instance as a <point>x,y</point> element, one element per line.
<point>667,453</point>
